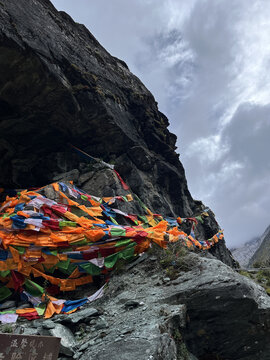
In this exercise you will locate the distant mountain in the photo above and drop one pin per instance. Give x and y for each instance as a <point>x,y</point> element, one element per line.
<point>262,255</point>
<point>244,253</point>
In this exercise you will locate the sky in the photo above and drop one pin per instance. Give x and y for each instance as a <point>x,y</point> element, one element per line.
<point>207,63</point>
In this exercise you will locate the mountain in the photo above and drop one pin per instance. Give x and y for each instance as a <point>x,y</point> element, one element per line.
<point>65,104</point>
<point>59,88</point>
<point>244,253</point>
<point>262,254</point>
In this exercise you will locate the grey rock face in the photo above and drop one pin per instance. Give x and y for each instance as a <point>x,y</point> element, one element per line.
<point>26,330</point>
<point>208,312</point>
<point>262,254</point>
<point>60,86</point>
<point>67,176</point>
<point>228,313</point>
<point>68,341</point>
<point>50,328</point>
<point>101,324</point>
<point>84,315</point>
<point>244,253</point>
<point>162,347</point>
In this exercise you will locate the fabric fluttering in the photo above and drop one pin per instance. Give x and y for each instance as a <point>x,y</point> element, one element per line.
<point>70,241</point>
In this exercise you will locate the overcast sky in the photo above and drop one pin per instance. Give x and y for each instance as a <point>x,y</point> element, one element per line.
<point>207,62</point>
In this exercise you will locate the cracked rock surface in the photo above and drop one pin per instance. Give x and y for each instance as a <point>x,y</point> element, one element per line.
<point>208,312</point>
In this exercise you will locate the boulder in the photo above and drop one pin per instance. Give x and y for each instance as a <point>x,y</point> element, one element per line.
<point>209,312</point>
<point>81,316</point>
<point>68,342</point>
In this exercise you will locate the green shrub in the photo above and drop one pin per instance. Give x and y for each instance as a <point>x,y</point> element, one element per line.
<point>7,328</point>
<point>257,265</point>
<point>245,273</point>
<point>266,273</point>
<point>174,259</point>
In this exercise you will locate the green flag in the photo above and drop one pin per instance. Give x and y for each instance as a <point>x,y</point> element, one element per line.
<point>91,269</point>
<point>4,293</point>
<point>33,288</point>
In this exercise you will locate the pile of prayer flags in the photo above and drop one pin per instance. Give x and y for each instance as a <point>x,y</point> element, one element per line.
<point>66,241</point>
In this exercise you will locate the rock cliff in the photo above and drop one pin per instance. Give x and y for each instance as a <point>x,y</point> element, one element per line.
<point>244,253</point>
<point>59,86</point>
<point>262,254</point>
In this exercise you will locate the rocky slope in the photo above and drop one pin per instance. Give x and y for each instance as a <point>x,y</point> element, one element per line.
<point>59,86</point>
<point>244,253</point>
<point>262,255</point>
<point>208,312</point>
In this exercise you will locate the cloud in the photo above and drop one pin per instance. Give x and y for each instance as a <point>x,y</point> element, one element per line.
<point>243,201</point>
<point>225,140</point>
<point>207,64</point>
<point>248,137</point>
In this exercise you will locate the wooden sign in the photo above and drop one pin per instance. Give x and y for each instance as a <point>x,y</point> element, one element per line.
<point>26,347</point>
